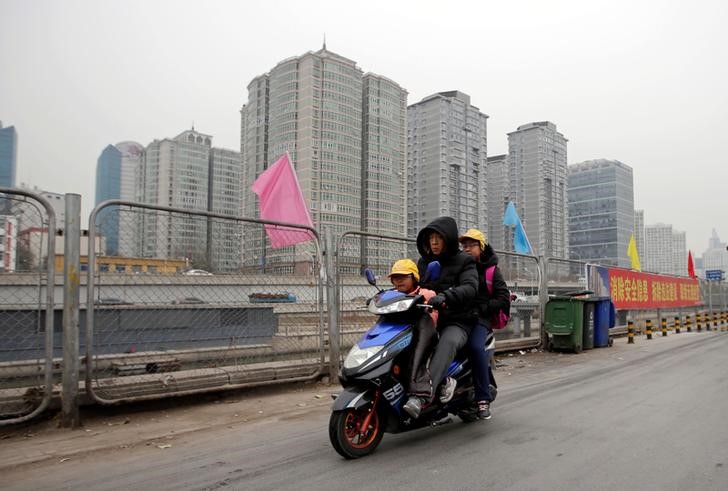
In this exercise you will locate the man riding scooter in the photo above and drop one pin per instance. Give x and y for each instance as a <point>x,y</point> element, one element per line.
<point>456,290</point>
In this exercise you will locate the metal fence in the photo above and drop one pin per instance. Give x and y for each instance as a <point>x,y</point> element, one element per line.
<point>522,274</point>
<point>185,302</point>
<point>176,302</point>
<point>27,284</point>
<point>356,250</point>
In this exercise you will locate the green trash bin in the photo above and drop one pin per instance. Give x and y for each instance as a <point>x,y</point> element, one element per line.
<point>564,323</point>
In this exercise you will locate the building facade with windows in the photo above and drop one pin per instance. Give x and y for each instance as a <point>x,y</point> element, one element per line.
<point>639,234</point>
<point>716,255</point>
<point>601,211</point>
<point>538,180</point>
<point>666,250</point>
<point>446,160</point>
<point>498,198</point>
<point>186,172</point>
<point>116,176</point>
<point>342,129</point>
<point>224,198</point>
<point>8,243</point>
<point>8,155</point>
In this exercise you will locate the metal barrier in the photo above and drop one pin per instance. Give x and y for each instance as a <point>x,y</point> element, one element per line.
<point>356,250</point>
<point>523,276</point>
<point>27,284</point>
<point>180,302</point>
<point>186,302</point>
<point>566,275</point>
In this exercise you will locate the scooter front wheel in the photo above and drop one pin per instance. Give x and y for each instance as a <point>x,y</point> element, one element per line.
<point>348,435</point>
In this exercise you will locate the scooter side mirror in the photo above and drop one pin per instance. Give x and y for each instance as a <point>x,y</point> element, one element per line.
<point>433,272</point>
<point>369,275</point>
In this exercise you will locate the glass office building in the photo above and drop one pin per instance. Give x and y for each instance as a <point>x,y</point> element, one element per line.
<point>601,211</point>
<point>8,154</point>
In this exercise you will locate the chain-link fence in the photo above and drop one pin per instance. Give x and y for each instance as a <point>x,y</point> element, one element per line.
<point>523,276</point>
<point>27,284</point>
<point>357,250</point>
<point>181,302</point>
<point>565,276</point>
<point>177,302</point>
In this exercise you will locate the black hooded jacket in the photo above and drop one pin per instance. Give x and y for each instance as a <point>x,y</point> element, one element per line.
<point>488,305</point>
<point>458,279</point>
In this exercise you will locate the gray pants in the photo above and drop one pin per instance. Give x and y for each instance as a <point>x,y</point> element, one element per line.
<point>452,338</point>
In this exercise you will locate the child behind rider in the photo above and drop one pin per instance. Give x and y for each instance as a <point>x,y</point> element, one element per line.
<point>405,278</point>
<point>475,244</point>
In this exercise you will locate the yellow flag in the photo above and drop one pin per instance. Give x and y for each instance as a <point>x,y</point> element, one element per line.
<point>632,253</point>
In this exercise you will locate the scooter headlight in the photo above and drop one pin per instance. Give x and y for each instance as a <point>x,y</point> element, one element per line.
<point>400,306</point>
<point>358,355</point>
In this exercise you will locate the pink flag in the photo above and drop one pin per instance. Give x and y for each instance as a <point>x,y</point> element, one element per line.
<point>281,200</point>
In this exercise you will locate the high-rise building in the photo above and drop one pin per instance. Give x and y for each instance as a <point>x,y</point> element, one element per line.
<point>116,176</point>
<point>186,172</point>
<point>538,180</point>
<point>716,255</point>
<point>344,131</point>
<point>224,199</point>
<point>8,243</point>
<point>384,178</point>
<point>446,160</point>
<point>639,234</point>
<point>30,217</point>
<point>496,172</point>
<point>666,250</point>
<point>8,155</point>
<point>601,211</point>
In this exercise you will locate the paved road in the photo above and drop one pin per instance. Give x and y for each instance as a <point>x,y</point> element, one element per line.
<point>649,417</point>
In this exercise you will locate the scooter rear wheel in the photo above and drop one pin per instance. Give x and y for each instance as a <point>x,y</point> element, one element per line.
<point>348,437</point>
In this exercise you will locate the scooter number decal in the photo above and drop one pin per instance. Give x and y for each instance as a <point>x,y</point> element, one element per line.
<point>403,343</point>
<point>394,393</point>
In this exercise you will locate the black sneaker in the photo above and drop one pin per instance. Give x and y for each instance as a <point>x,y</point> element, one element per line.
<point>483,410</point>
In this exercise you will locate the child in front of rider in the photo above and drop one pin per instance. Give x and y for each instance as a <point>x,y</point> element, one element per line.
<point>405,278</point>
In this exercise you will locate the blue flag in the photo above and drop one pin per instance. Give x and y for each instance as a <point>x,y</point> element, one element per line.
<point>521,243</point>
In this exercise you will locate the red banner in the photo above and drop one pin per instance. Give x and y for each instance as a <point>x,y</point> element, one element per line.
<point>633,290</point>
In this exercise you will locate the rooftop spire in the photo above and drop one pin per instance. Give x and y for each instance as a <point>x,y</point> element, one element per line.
<point>324,42</point>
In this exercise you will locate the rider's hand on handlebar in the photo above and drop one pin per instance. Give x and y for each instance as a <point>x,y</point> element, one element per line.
<point>438,301</point>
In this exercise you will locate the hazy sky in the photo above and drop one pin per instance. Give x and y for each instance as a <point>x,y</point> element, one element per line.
<point>643,82</point>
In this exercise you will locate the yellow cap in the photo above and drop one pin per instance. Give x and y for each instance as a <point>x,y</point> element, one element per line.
<point>405,266</point>
<point>475,234</point>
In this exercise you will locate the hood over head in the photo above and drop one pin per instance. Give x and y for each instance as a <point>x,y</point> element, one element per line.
<point>445,226</point>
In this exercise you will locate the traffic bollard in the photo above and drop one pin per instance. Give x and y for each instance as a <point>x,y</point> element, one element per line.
<point>677,325</point>
<point>664,327</point>
<point>688,324</point>
<point>630,332</point>
<point>648,328</point>
<point>715,320</point>
<point>699,321</point>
